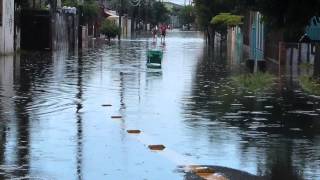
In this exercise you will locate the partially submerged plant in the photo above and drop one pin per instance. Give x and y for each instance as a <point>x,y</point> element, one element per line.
<point>306,66</point>
<point>109,29</point>
<point>310,85</point>
<point>257,82</point>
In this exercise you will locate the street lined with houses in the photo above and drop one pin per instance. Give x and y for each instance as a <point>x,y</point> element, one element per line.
<point>137,90</point>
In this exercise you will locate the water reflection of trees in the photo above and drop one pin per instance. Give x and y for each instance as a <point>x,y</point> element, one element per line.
<point>79,106</point>
<point>267,133</point>
<point>15,128</point>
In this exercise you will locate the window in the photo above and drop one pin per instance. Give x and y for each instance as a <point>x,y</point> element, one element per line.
<point>0,12</point>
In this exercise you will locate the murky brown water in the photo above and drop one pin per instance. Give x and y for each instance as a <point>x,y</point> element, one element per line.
<point>54,127</point>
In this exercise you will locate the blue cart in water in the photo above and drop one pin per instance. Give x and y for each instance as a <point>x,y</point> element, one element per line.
<point>154,58</point>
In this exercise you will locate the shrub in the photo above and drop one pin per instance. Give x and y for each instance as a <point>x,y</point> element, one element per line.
<point>109,29</point>
<point>258,82</point>
<point>310,85</point>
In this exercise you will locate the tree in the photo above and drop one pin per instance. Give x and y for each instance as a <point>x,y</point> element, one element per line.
<point>187,15</point>
<point>70,3</point>
<point>109,29</point>
<point>224,20</point>
<point>90,10</point>
<point>206,9</point>
<point>159,13</point>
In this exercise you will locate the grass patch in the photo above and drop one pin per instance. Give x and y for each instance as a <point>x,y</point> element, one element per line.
<point>306,66</point>
<point>310,85</point>
<point>258,82</point>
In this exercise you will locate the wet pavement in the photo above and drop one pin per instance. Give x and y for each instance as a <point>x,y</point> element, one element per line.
<point>56,115</point>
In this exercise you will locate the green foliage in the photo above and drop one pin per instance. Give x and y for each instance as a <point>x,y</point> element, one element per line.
<point>187,15</point>
<point>288,16</point>
<point>206,9</point>
<point>159,13</point>
<point>227,19</point>
<point>310,85</point>
<point>222,21</point>
<point>109,29</point>
<point>175,11</point>
<point>70,3</point>
<point>90,9</point>
<point>23,3</point>
<point>306,66</point>
<point>258,82</point>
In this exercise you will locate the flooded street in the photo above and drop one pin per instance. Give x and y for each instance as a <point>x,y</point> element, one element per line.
<point>53,124</point>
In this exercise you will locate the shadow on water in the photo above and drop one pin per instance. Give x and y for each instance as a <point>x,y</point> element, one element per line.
<point>14,127</point>
<point>280,126</point>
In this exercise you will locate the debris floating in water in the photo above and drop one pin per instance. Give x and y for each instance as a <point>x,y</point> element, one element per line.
<point>159,147</point>
<point>116,117</point>
<point>201,169</point>
<point>134,131</point>
<point>204,172</point>
<point>106,105</point>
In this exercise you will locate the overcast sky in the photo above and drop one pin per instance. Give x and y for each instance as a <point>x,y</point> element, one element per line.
<point>181,2</point>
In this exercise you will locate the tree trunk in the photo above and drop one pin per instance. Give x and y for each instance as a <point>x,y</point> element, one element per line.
<point>299,55</point>
<point>308,53</point>
<point>316,66</point>
<point>208,38</point>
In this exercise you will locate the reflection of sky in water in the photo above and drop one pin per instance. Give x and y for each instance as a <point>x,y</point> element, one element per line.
<point>57,128</point>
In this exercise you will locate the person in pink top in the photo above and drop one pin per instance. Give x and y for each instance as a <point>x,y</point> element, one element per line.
<point>163,29</point>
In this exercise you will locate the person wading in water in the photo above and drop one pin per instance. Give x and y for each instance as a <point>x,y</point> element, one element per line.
<point>163,29</point>
<point>154,33</point>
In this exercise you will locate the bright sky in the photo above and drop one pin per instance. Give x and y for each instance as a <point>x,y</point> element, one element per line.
<point>181,2</point>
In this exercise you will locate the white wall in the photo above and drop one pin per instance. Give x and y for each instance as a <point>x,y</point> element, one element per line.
<point>7,32</point>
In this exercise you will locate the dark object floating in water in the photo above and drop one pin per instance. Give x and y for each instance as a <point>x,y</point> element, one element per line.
<point>227,173</point>
<point>116,117</point>
<point>134,131</point>
<point>106,105</point>
<point>159,147</point>
<point>201,169</point>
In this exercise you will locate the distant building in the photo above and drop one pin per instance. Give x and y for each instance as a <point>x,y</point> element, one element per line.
<point>174,19</point>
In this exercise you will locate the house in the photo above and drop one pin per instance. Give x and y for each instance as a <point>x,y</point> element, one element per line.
<point>313,30</point>
<point>125,21</point>
<point>254,35</point>
<point>45,25</point>
<point>235,44</point>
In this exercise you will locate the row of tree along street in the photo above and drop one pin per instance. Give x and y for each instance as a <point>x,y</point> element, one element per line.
<point>143,14</point>
<point>282,21</point>
<point>264,23</point>
<point>42,25</point>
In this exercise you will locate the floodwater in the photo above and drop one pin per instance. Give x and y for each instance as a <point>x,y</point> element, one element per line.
<point>53,124</point>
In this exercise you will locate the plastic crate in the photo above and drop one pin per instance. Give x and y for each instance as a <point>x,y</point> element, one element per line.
<point>154,56</point>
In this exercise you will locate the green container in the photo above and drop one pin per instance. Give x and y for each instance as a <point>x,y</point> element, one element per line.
<point>154,56</point>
